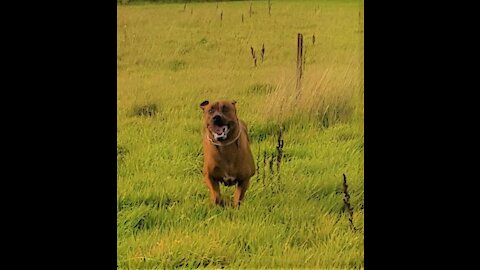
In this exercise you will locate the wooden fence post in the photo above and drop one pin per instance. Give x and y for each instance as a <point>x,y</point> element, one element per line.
<point>299,61</point>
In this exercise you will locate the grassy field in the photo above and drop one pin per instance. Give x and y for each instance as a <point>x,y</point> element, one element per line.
<point>170,58</point>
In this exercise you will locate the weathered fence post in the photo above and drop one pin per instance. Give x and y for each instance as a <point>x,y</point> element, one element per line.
<point>253,56</point>
<point>263,51</point>
<point>299,61</point>
<point>359,21</point>
<point>125,32</point>
<point>250,9</point>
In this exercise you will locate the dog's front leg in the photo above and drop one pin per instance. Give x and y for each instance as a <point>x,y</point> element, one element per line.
<point>242,187</point>
<point>214,189</point>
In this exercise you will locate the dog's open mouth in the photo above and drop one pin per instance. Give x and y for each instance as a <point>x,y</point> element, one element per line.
<point>219,132</point>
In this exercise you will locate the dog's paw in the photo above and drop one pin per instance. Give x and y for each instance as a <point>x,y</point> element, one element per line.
<point>219,202</point>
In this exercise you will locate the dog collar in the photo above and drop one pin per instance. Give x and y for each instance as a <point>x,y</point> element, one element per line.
<point>224,144</point>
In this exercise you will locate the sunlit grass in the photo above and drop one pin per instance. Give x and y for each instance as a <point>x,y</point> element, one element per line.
<point>168,62</point>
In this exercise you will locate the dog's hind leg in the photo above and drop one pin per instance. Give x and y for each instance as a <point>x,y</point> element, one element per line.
<point>242,187</point>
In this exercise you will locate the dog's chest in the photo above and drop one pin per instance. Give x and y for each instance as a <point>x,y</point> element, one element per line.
<point>228,180</point>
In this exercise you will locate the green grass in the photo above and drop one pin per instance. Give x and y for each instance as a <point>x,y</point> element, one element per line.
<point>169,61</point>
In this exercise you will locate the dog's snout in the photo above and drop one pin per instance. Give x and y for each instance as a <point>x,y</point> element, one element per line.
<point>217,119</point>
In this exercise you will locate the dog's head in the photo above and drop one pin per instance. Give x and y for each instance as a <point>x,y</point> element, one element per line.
<point>220,118</point>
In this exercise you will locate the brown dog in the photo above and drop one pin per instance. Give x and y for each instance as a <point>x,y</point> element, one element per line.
<point>227,157</point>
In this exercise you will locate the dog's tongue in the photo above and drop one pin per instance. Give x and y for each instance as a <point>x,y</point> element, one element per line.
<point>219,130</point>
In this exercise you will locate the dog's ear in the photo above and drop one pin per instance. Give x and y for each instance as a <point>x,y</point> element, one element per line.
<point>203,104</point>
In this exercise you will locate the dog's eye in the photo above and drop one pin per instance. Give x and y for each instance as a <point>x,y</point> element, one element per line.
<point>211,110</point>
<point>224,109</point>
